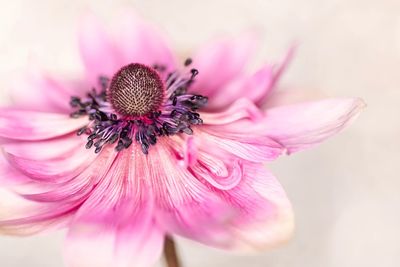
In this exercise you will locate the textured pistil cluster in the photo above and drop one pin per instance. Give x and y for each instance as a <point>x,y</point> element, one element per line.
<point>138,106</point>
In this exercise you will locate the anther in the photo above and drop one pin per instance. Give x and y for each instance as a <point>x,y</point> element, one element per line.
<point>194,72</point>
<point>188,61</point>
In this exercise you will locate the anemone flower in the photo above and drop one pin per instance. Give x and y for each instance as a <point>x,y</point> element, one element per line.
<point>144,148</point>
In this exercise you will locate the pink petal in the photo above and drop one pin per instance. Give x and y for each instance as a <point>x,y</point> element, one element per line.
<point>252,87</point>
<point>98,51</point>
<point>256,87</point>
<point>304,125</point>
<point>54,170</point>
<point>139,42</point>
<point>184,205</point>
<point>48,149</point>
<point>39,92</point>
<point>239,130</point>
<point>221,61</point>
<point>252,147</point>
<point>221,171</point>
<point>114,227</point>
<point>32,125</point>
<point>264,217</point>
<point>73,189</point>
<point>100,246</point>
<point>240,109</point>
<point>217,200</point>
<point>9,175</point>
<point>19,216</point>
<point>29,206</point>
<point>275,77</point>
<point>32,218</point>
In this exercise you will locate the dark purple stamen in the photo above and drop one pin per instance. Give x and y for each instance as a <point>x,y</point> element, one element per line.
<point>188,61</point>
<point>129,91</point>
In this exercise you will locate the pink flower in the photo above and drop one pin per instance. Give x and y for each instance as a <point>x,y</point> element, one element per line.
<point>170,149</point>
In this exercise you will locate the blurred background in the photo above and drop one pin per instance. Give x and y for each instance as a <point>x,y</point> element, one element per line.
<point>345,193</point>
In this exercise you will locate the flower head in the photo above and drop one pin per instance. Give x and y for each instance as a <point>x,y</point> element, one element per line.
<point>144,147</point>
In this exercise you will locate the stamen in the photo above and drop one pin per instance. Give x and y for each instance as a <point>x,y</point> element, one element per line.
<point>133,107</point>
<point>188,61</point>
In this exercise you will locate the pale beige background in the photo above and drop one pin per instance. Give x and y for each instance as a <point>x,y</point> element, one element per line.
<point>346,193</point>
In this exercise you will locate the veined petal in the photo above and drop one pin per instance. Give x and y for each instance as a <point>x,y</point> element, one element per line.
<point>73,188</point>
<point>54,170</point>
<point>222,61</point>
<point>261,214</point>
<point>140,42</point>
<point>240,109</point>
<point>264,214</point>
<point>33,218</point>
<point>222,172</point>
<point>304,125</point>
<point>215,211</point>
<point>184,205</point>
<point>114,227</point>
<point>29,207</point>
<point>98,51</point>
<point>19,216</point>
<point>33,125</point>
<point>251,147</point>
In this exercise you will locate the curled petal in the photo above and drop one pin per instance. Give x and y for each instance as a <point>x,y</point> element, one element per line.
<point>304,125</point>
<point>184,205</point>
<point>261,215</point>
<point>249,210</point>
<point>220,174</point>
<point>33,125</point>
<point>264,214</point>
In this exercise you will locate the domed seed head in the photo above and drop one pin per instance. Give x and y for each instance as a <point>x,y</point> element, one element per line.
<point>136,90</point>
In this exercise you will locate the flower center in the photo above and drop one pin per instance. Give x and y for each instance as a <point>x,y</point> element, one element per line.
<point>136,90</point>
<point>137,106</point>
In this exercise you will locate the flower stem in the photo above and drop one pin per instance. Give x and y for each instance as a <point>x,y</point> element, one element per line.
<point>170,253</point>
